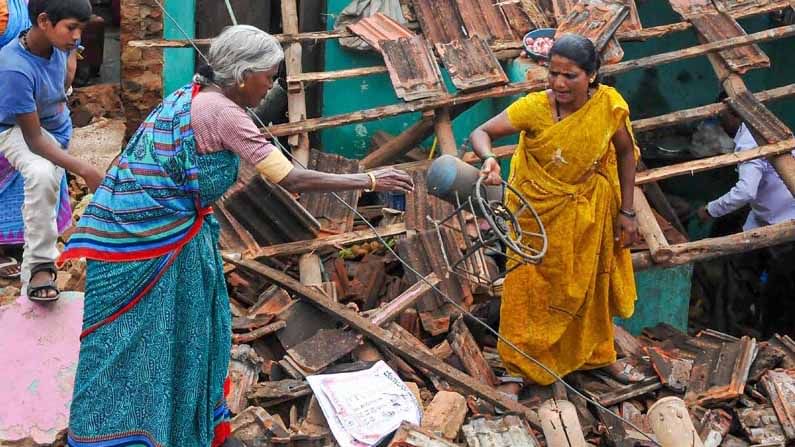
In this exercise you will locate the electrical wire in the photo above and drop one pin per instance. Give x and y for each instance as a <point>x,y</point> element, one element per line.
<point>407,266</point>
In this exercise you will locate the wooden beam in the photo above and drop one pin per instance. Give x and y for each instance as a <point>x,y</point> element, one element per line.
<point>706,164</point>
<point>400,144</point>
<point>443,127</point>
<point>394,308</point>
<point>316,124</point>
<point>296,95</point>
<point>385,338</point>
<point>337,240</point>
<point>650,229</point>
<point>720,246</point>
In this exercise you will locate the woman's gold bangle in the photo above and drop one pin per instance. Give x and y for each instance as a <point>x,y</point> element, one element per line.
<point>372,183</point>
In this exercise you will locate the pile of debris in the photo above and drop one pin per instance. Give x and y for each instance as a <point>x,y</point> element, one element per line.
<point>336,301</point>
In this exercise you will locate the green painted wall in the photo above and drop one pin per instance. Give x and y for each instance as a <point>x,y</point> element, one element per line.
<point>663,297</point>
<point>178,63</point>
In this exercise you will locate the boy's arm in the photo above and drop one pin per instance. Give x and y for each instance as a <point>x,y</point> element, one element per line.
<point>44,147</point>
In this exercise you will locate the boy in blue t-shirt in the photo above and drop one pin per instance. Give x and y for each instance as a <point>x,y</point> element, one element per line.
<point>35,129</point>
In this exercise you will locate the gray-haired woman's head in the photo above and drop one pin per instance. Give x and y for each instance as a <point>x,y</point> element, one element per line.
<point>580,50</point>
<point>238,51</point>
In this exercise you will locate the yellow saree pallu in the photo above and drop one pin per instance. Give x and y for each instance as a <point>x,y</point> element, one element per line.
<point>560,311</point>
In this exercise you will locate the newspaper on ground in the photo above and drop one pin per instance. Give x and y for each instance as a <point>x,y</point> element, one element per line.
<point>364,407</point>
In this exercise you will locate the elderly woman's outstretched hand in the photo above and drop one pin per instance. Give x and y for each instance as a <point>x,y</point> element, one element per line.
<point>391,179</point>
<point>491,171</point>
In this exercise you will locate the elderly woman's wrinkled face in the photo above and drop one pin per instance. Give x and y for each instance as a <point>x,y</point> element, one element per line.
<point>257,85</point>
<point>568,82</point>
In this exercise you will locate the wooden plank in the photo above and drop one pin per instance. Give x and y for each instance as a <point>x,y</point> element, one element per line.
<point>467,350</point>
<point>718,26</point>
<point>443,127</point>
<point>296,103</point>
<point>394,308</point>
<point>650,229</point>
<point>627,392</point>
<point>385,338</point>
<point>258,333</point>
<point>772,129</point>
<point>721,246</point>
<point>400,144</point>
<point>706,164</point>
<point>329,242</point>
<point>315,124</point>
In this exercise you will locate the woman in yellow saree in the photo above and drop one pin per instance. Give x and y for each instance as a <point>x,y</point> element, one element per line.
<point>575,163</point>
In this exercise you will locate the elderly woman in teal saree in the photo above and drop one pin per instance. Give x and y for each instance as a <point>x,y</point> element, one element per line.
<point>157,327</point>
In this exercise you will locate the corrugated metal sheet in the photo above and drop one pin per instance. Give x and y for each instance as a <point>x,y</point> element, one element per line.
<point>379,27</point>
<point>267,213</point>
<point>507,431</point>
<point>332,215</point>
<point>471,64</point>
<point>412,68</point>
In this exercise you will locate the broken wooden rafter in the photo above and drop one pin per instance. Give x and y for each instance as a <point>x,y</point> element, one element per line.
<point>329,242</point>
<point>705,164</point>
<point>467,350</point>
<point>296,104</point>
<point>394,308</point>
<point>650,229</point>
<point>385,338</point>
<point>720,246</point>
<point>316,124</point>
<point>258,333</point>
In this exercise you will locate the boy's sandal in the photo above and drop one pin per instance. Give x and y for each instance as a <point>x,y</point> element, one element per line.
<point>9,264</point>
<point>34,292</point>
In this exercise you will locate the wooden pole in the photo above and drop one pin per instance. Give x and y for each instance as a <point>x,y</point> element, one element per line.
<point>330,242</point>
<point>650,229</point>
<point>705,164</point>
<point>394,308</point>
<point>771,128</point>
<point>400,144</point>
<point>443,127</point>
<point>720,246</point>
<point>296,96</point>
<point>520,87</point>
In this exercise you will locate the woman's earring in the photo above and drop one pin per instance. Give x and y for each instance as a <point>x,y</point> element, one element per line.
<point>242,84</point>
